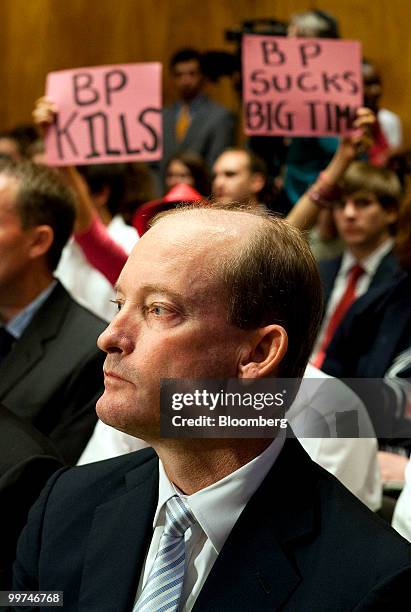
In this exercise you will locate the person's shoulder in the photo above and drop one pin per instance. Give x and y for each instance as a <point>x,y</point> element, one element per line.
<point>383,296</point>
<point>79,315</point>
<point>386,115</point>
<point>28,442</point>
<point>328,265</point>
<point>216,108</point>
<point>112,470</point>
<point>363,532</point>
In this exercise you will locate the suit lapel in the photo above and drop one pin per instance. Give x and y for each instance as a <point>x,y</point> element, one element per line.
<point>386,271</point>
<point>328,273</point>
<point>118,541</point>
<point>199,118</point>
<point>256,568</point>
<point>29,349</point>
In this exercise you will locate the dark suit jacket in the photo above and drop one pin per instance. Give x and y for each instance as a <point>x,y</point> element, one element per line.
<point>211,131</point>
<point>27,460</point>
<point>375,330</point>
<point>386,272</point>
<point>53,375</point>
<point>302,544</point>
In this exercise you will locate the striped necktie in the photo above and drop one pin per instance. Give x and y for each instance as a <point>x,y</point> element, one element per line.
<point>163,588</point>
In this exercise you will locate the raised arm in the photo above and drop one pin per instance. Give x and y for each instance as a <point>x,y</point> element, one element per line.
<point>101,250</point>
<point>325,190</point>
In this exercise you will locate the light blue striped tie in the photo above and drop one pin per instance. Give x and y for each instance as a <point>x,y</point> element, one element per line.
<point>162,590</point>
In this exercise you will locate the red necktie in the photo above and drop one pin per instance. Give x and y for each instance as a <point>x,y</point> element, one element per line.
<point>347,299</point>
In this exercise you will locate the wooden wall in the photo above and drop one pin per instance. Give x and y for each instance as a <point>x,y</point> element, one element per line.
<point>42,35</point>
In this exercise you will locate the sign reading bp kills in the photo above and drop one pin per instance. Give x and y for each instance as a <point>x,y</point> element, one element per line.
<point>300,86</point>
<point>105,114</point>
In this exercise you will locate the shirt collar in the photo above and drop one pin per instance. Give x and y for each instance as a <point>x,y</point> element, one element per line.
<point>193,104</point>
<point>218,506</point>
<point>370,263</point>
<point>18,324</point>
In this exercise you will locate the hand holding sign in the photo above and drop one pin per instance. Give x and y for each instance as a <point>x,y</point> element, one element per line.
<point>105,114</point>
<point>300,86</point>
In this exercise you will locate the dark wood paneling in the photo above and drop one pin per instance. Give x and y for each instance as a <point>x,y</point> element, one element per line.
<point>43,35</point>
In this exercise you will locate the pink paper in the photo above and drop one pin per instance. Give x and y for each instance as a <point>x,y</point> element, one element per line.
<point>300,86</point>
<point>105,114</point>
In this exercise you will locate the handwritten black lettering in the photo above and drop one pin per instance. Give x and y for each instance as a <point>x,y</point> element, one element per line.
<point>312,110</point>
<point>309,51</point>
<point>92,125</point>
<point>114,81</point>
<point>64,131</point>
<point>84,93</point>
<point>284,86</point>
<point>330,81</point>
<point>123,127</point>
<point>142,118</point>
<point>272,55</point>
<point>344,117</point>
<point>301,82</point>
<point>258,77</point>
<point>349,77</point>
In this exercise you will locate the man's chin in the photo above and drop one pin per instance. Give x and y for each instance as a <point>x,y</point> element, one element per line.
<point>118,417</point>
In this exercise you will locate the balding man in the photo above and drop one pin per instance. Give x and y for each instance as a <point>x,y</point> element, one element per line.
<point>238,176</point>
<point>209,524</point>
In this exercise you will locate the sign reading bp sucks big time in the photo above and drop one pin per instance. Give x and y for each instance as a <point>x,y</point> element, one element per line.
<point>105,114</point>
<point>300,86</point>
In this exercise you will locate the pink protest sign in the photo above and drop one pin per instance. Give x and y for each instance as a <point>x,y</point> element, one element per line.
<point>105,114</point>
<point>300,86</point>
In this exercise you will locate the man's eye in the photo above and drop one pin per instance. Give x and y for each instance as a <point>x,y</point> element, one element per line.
<point>118,304</point>
<point>158,311</point>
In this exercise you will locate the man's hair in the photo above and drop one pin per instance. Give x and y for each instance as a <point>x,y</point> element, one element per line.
<point>256,164</point>
<point>197,168</point>
<point>272,278</point>
<point>186,55</point>
<point>315,23</point>
<point>43,199</point>
<point>112,176</point>
<point>380,182</point>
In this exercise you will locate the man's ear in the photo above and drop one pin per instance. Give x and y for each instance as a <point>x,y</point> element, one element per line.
<point>258,181</point>
<point>41,239</point>
<point>268,349</point>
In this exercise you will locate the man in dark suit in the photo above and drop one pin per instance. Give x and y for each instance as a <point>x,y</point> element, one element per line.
<point>50,366</point>
<point>209,524</point>
<point>27,460</point>
<point>365,217</point>
<point>194,122</point>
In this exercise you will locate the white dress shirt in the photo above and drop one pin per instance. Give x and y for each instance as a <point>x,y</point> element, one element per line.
<point>369,264</point>
<point>85,283</point>
<point>401,520</point>
<point>216,509</point>
<point>391,127</point>
<point>352,460</point>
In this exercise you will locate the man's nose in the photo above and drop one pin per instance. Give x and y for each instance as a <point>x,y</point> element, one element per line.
<point>349,210</point>
<point>217,182</point>
<point>114,340</point>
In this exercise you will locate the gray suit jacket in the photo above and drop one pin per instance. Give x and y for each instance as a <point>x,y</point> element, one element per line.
<point>211,131</point>
<point>53,375</point>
